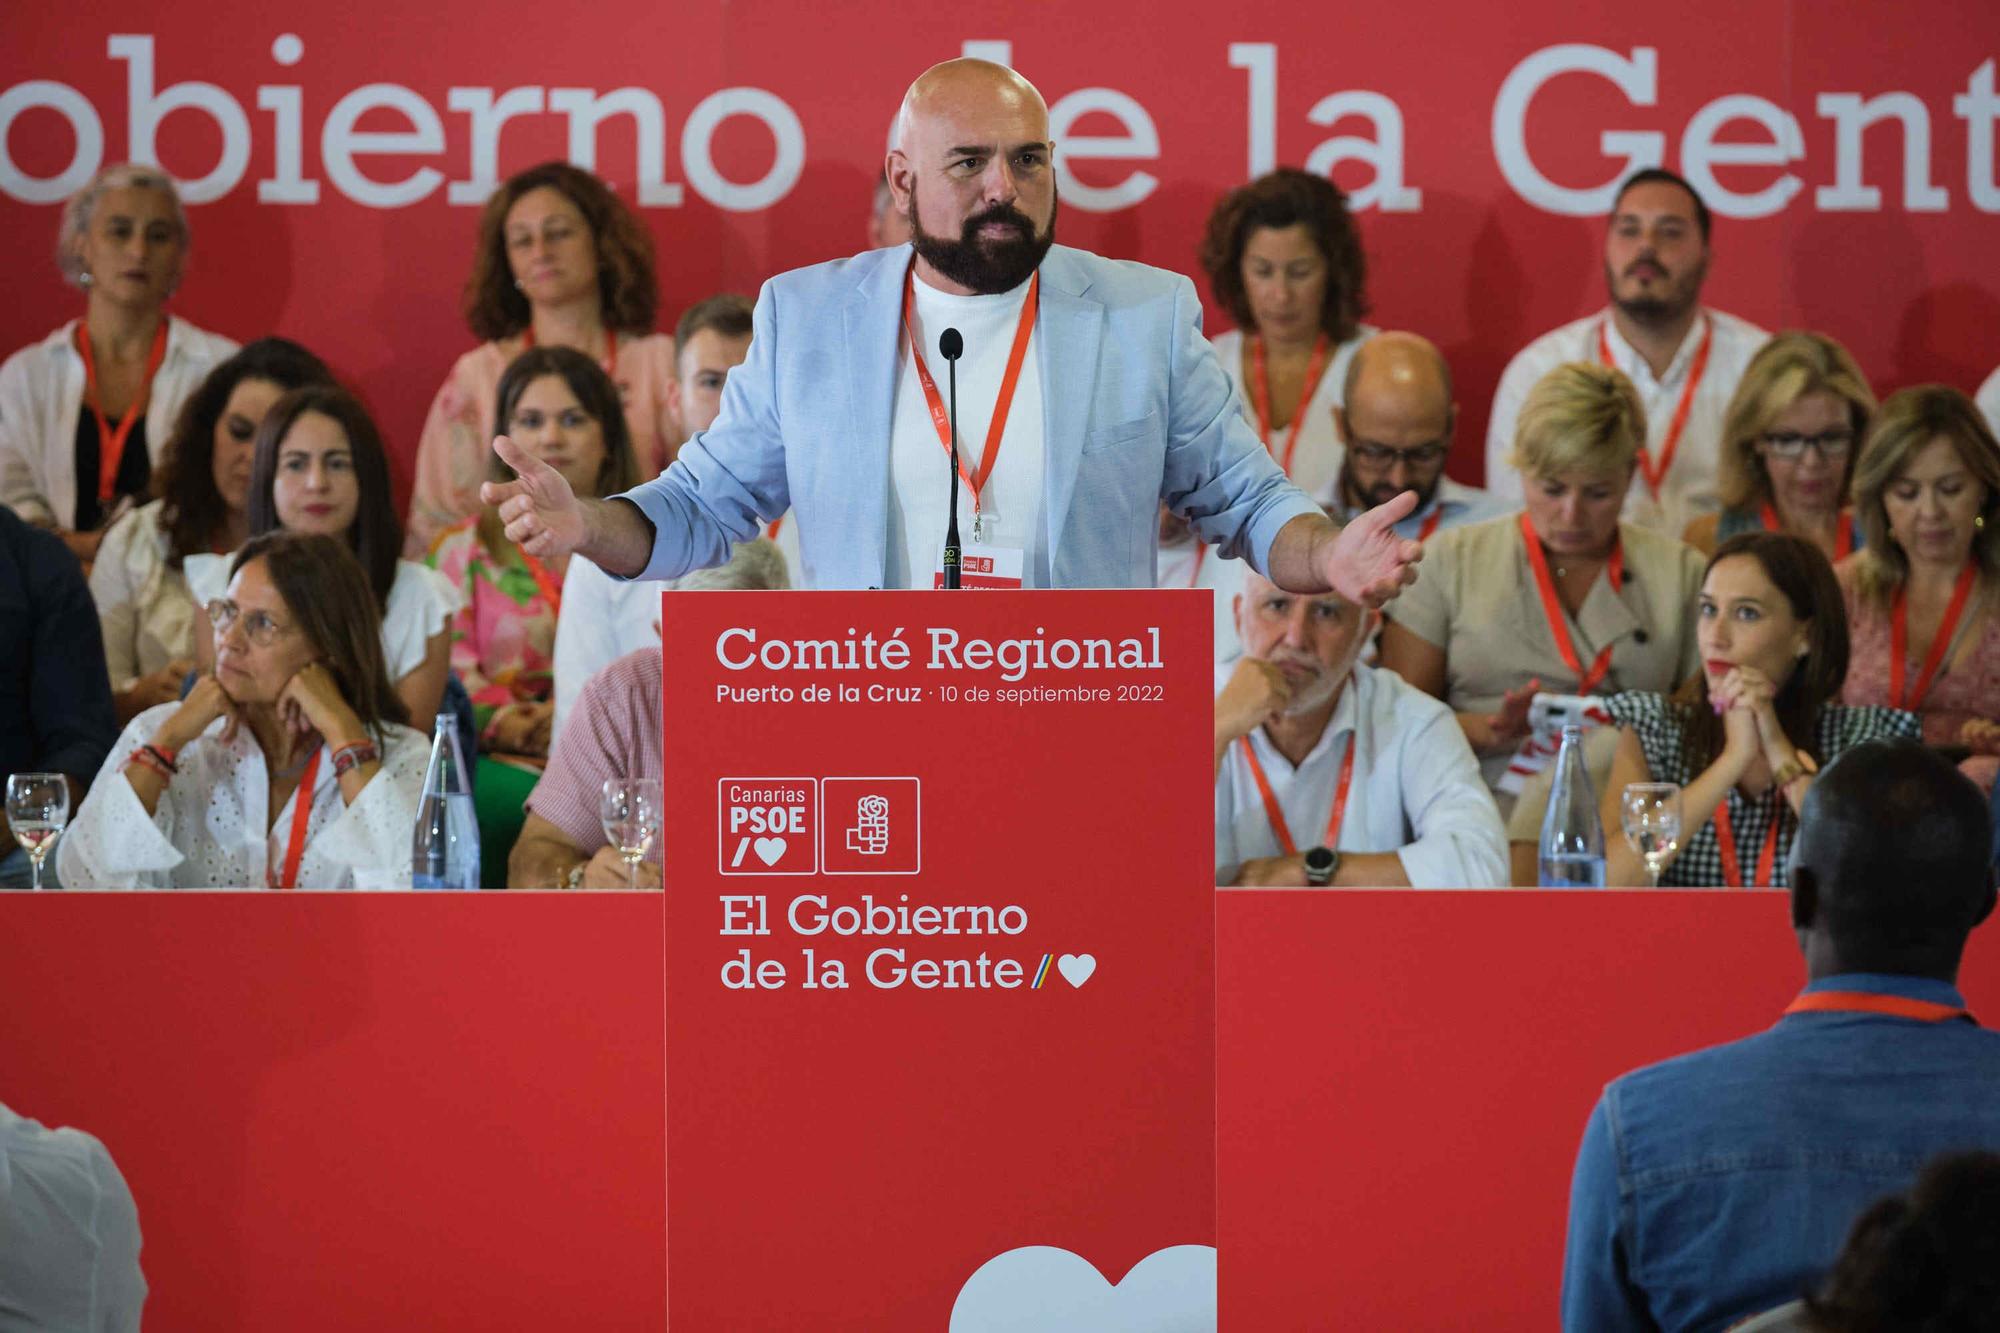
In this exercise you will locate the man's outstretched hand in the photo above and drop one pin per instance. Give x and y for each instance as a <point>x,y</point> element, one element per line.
<point>1367,563</point>
<point>542,515</point>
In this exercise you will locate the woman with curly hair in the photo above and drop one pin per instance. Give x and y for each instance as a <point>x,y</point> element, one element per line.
<point>1284,259</point>
<point>562,262</point>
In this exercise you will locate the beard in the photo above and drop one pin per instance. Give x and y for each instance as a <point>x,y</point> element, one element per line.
<point>1315,692</point>
<point>1384,491</point>
<point>986,267</point>
<point>1667,303</point>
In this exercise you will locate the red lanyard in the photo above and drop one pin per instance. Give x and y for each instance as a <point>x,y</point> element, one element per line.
<point>1277,816</point>
<point>1654,474</point>
<point>1314,369</point>
<point>771,533</point>
<point>610,361</point>
<point>1866,1002</point>
<point>1552,606</point>
<point>974,482</point>
<point>1430,526</point>
<point>1200,554</point>
<point>1899,640</point>
<point>1725,842</point>
<point>545,582</point>
<point>1843,537</point>
<point>110,442</point>
<point>302,801</point>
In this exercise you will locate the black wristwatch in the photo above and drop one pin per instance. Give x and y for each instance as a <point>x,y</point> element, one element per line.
<point>1321,863</point>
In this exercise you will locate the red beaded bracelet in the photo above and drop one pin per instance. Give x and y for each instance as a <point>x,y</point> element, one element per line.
<point>147,757</point>
<point>353,756</point>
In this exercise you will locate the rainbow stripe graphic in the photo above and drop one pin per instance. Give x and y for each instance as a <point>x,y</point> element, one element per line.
<point>1042,972</point>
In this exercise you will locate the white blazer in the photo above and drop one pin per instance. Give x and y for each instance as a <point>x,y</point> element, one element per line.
<point>41,395</point>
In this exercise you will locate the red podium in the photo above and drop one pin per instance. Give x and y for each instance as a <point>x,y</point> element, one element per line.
<point>939,1016</point>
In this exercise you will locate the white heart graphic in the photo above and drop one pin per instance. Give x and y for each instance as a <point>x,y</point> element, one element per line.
<point>770,850</point>
<point>1077,968</point>
<point>1044,1289</point>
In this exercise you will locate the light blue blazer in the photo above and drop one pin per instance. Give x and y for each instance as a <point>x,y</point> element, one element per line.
<point>1136,412</point>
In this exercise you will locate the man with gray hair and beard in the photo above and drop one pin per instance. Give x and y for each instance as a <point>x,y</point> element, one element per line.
<point>1328,772</point>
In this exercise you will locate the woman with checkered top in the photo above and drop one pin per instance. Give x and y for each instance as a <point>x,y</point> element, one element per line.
<point>1747,733</point>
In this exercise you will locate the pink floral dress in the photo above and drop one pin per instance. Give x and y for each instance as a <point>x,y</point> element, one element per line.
<point>504,636</point>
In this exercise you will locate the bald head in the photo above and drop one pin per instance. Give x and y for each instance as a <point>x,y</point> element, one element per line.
<point>967,89</point>
<point>973,172</point>
<point>1395,420</point>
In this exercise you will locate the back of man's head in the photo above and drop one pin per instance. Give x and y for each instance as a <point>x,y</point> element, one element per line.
<point>1892,867</point>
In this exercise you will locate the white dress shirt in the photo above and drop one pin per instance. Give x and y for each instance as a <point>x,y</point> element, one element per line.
<point>1689,490</point>
<point>919,468</point>
<point>1416,790</point>
<point>1989,401</point>
<point>211,828</point>
<point>1316,464</point>
<point>41,397</point>
<point>69,1233</point>
<point>421,604</point>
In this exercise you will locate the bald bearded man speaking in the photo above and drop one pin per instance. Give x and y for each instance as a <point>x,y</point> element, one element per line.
<point>1086,397</point>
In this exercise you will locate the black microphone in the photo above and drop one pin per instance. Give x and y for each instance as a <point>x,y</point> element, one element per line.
<point>951,346</point>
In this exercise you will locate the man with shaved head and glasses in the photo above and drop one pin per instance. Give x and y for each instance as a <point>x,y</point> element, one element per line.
<point>1087,398</point>
<point>1395,421</point>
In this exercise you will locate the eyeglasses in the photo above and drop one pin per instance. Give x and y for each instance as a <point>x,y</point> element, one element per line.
<point>1418,456</point>
<point>258,625</point>
<point>1789,444</point>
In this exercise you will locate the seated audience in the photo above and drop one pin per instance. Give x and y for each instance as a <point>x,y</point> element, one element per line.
<point>614,732</point>
<point>1299,721</point>
<point>1719,1184</point>
<point>1284,261</point>
<point>69,1233</point>
<point>55,702</point>
<point>1789,439</point>
<point>612,617</point>
<point>1921,598</point>
<point>203,485</point>
<point>1746,735</point>
<point>319,467</point>
<point>1684,358</point>
<point>561,407</point>
<point>561,262</point>
<point>1925,1261</point>
<point>287,767</point>
<point>1562,597</point>
<point>83,412</point>
<point>1395,422</point>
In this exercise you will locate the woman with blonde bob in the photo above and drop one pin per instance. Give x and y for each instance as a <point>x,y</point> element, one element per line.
<point>1563,597</point>
<point>1921,598</point>
<point>1789,439</point>
<point>287,767</point>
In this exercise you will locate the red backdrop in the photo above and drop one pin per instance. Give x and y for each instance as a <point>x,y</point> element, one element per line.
<point>1481,256</point>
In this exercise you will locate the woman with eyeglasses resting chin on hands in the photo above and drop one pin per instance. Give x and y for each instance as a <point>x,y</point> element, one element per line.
<point>1789,439</point>
<point>288,767</point>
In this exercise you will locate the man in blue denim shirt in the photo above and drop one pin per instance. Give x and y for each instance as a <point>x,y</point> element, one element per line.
<point>1720,1184</point>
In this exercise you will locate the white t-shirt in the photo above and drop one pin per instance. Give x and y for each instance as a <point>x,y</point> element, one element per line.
<point>1316,461</point>
<point>602,620</point>
<point>69,1232</point>
<point>919,469</point>
<point>421,604</point>
<point>1689,490</point>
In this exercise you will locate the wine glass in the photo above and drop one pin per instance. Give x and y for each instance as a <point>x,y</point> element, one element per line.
<point>1651,815</point>
<point>630,812</point>
<point>37,811</point>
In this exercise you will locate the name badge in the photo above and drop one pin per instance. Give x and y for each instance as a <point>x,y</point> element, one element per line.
<point>984,566</point>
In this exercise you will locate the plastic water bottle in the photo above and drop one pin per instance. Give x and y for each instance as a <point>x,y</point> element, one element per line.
<point>1572,851</point>
<point>445,851</point>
